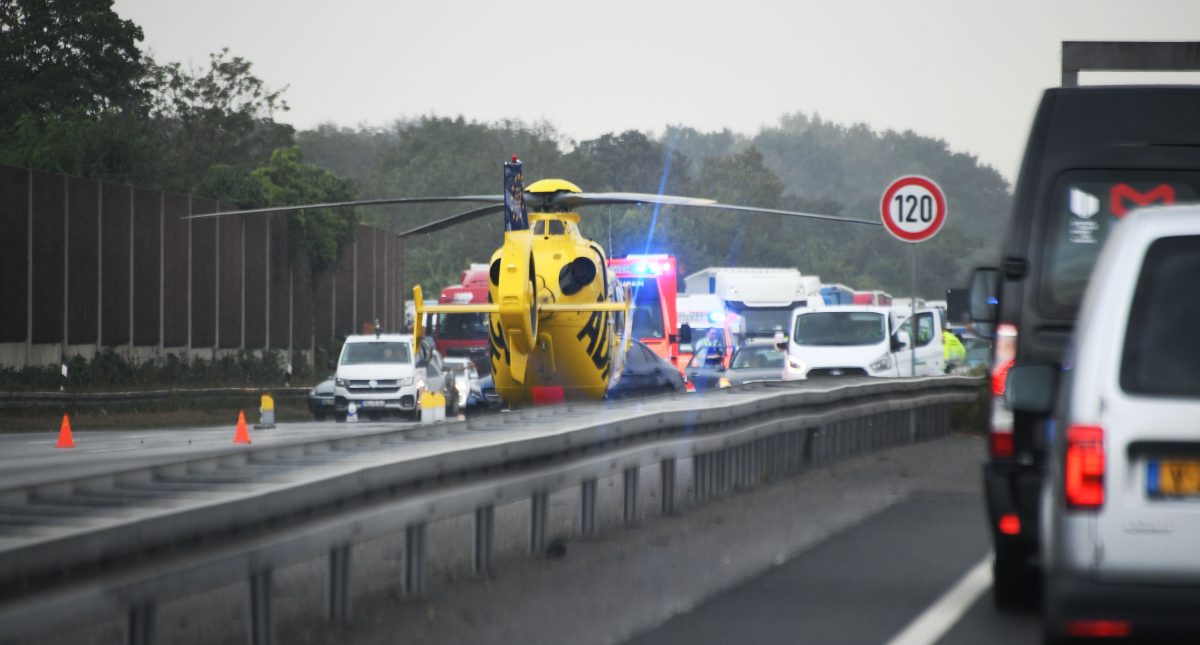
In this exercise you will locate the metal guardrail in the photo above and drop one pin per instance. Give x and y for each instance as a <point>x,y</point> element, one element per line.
<point>267,507</point>
<point>59,399</point>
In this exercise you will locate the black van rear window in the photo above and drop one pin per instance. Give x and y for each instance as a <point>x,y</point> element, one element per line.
<point>1162,343</point>
<point>1085,207</point>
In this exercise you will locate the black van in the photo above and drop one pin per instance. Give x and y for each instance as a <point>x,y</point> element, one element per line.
<point>1094,153</point>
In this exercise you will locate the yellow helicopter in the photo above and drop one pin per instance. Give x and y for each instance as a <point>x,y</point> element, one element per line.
<point>559,321</point>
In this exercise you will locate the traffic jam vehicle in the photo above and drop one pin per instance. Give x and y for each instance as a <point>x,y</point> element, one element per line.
<point>376,375</point>
<point>383,375</point>
<point>651,282</point>
<point>756,361</point>
<point>844,340</point>
<point>1122,486</point>
<point>874,298</point>
<point>1094,153</point>
<point>463,335</point>
<point>698,314</point>
<point>759,300</point>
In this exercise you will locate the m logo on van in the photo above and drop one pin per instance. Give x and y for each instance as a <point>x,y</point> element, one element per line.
<point>1123,197</point>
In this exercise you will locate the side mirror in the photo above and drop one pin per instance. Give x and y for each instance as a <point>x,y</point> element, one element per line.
<point>685,334</point>
<point>983,295</point>
<point>900,341</point>
<point>1031,388</point>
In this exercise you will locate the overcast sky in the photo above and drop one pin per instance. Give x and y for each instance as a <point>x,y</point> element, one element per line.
<point>967,71</point>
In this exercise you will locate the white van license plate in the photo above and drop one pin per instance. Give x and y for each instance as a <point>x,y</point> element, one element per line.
<point>374,403</point>
<point>1173,478</point>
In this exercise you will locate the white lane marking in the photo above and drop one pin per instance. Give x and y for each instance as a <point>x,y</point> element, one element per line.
<point>943,614</point>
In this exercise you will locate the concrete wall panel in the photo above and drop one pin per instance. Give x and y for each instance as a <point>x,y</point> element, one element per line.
<point>302,314</point>
<point>49,201</point>
<point>280,298</point>
<point>175,270</point>
<point>147,262</point>
<point>14,254</point>
<point>115,204</point>
<point>254,227</point>
<point>323,312</point>
<point>83,219</point>
<point>365,237</point>
<point>344,292</point>
<point>204,275</point>
<point>230,280</point>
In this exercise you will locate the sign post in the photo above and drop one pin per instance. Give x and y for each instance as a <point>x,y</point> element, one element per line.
<point>913,209</point>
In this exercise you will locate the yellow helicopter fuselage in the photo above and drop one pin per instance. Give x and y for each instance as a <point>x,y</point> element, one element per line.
<point>558,320</point>
<point>576,354</point>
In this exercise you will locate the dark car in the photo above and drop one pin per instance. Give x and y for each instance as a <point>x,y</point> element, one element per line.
<point>320,400</point>
<point>646,373</point>
<point>1093,154</point>
<point>756,360</point>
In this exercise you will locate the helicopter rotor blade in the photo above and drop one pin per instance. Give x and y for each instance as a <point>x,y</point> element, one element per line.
<point>575,200</point>
<point>568,201</point>
<point>458,218</point>
<point>776,211</point>
<point>359,202</point>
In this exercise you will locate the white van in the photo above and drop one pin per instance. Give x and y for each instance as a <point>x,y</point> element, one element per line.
<point>383,374</point>
<point>860,340</point>
<point>843,340</point>
<point>1120,502</point>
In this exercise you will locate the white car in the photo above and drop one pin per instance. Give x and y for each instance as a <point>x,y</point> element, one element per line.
<point>843,340</point>
<point>381,374</point>
<point>1120,505</point>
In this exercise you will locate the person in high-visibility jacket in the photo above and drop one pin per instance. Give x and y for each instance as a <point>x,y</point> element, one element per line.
<point>952,349</point>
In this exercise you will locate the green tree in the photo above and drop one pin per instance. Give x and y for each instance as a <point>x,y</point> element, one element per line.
<point>60,54</point>
<point>443,156</point>
<point>74,92</point>
<point>220,114</point>
<point>286,180</point>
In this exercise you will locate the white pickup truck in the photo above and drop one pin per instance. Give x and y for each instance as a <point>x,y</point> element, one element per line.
<point>858,340</point>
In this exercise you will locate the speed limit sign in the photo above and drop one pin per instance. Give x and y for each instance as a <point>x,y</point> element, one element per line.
<point>913,208</point>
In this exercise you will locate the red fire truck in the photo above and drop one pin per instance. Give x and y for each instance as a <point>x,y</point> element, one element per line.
<point>464,335</point>
<point>651,279</point>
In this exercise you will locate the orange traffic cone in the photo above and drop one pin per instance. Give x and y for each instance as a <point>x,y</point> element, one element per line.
<point>241,436</point>
<point>64,434</point>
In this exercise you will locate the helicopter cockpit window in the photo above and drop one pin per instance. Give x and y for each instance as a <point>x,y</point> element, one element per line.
<point>554,227</point>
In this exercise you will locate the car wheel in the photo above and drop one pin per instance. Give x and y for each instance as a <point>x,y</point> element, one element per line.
<point>1014,580</point>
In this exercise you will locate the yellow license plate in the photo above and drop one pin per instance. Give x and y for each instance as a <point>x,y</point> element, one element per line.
<point>1174,478</point>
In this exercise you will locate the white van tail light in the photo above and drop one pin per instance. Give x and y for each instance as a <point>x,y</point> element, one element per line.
<point>1085,467</point>
<point>1000,438</point>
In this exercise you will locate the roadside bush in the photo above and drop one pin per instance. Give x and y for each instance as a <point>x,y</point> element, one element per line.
<point>109,370</point>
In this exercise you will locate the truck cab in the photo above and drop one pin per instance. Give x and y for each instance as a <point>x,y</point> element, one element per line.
<point>758,300</point>
<point>463,335</point>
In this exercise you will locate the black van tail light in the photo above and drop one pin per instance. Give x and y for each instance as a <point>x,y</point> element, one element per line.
<point>1085,467</point>
<point>1001,428</point>
<point>1099,628</point>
